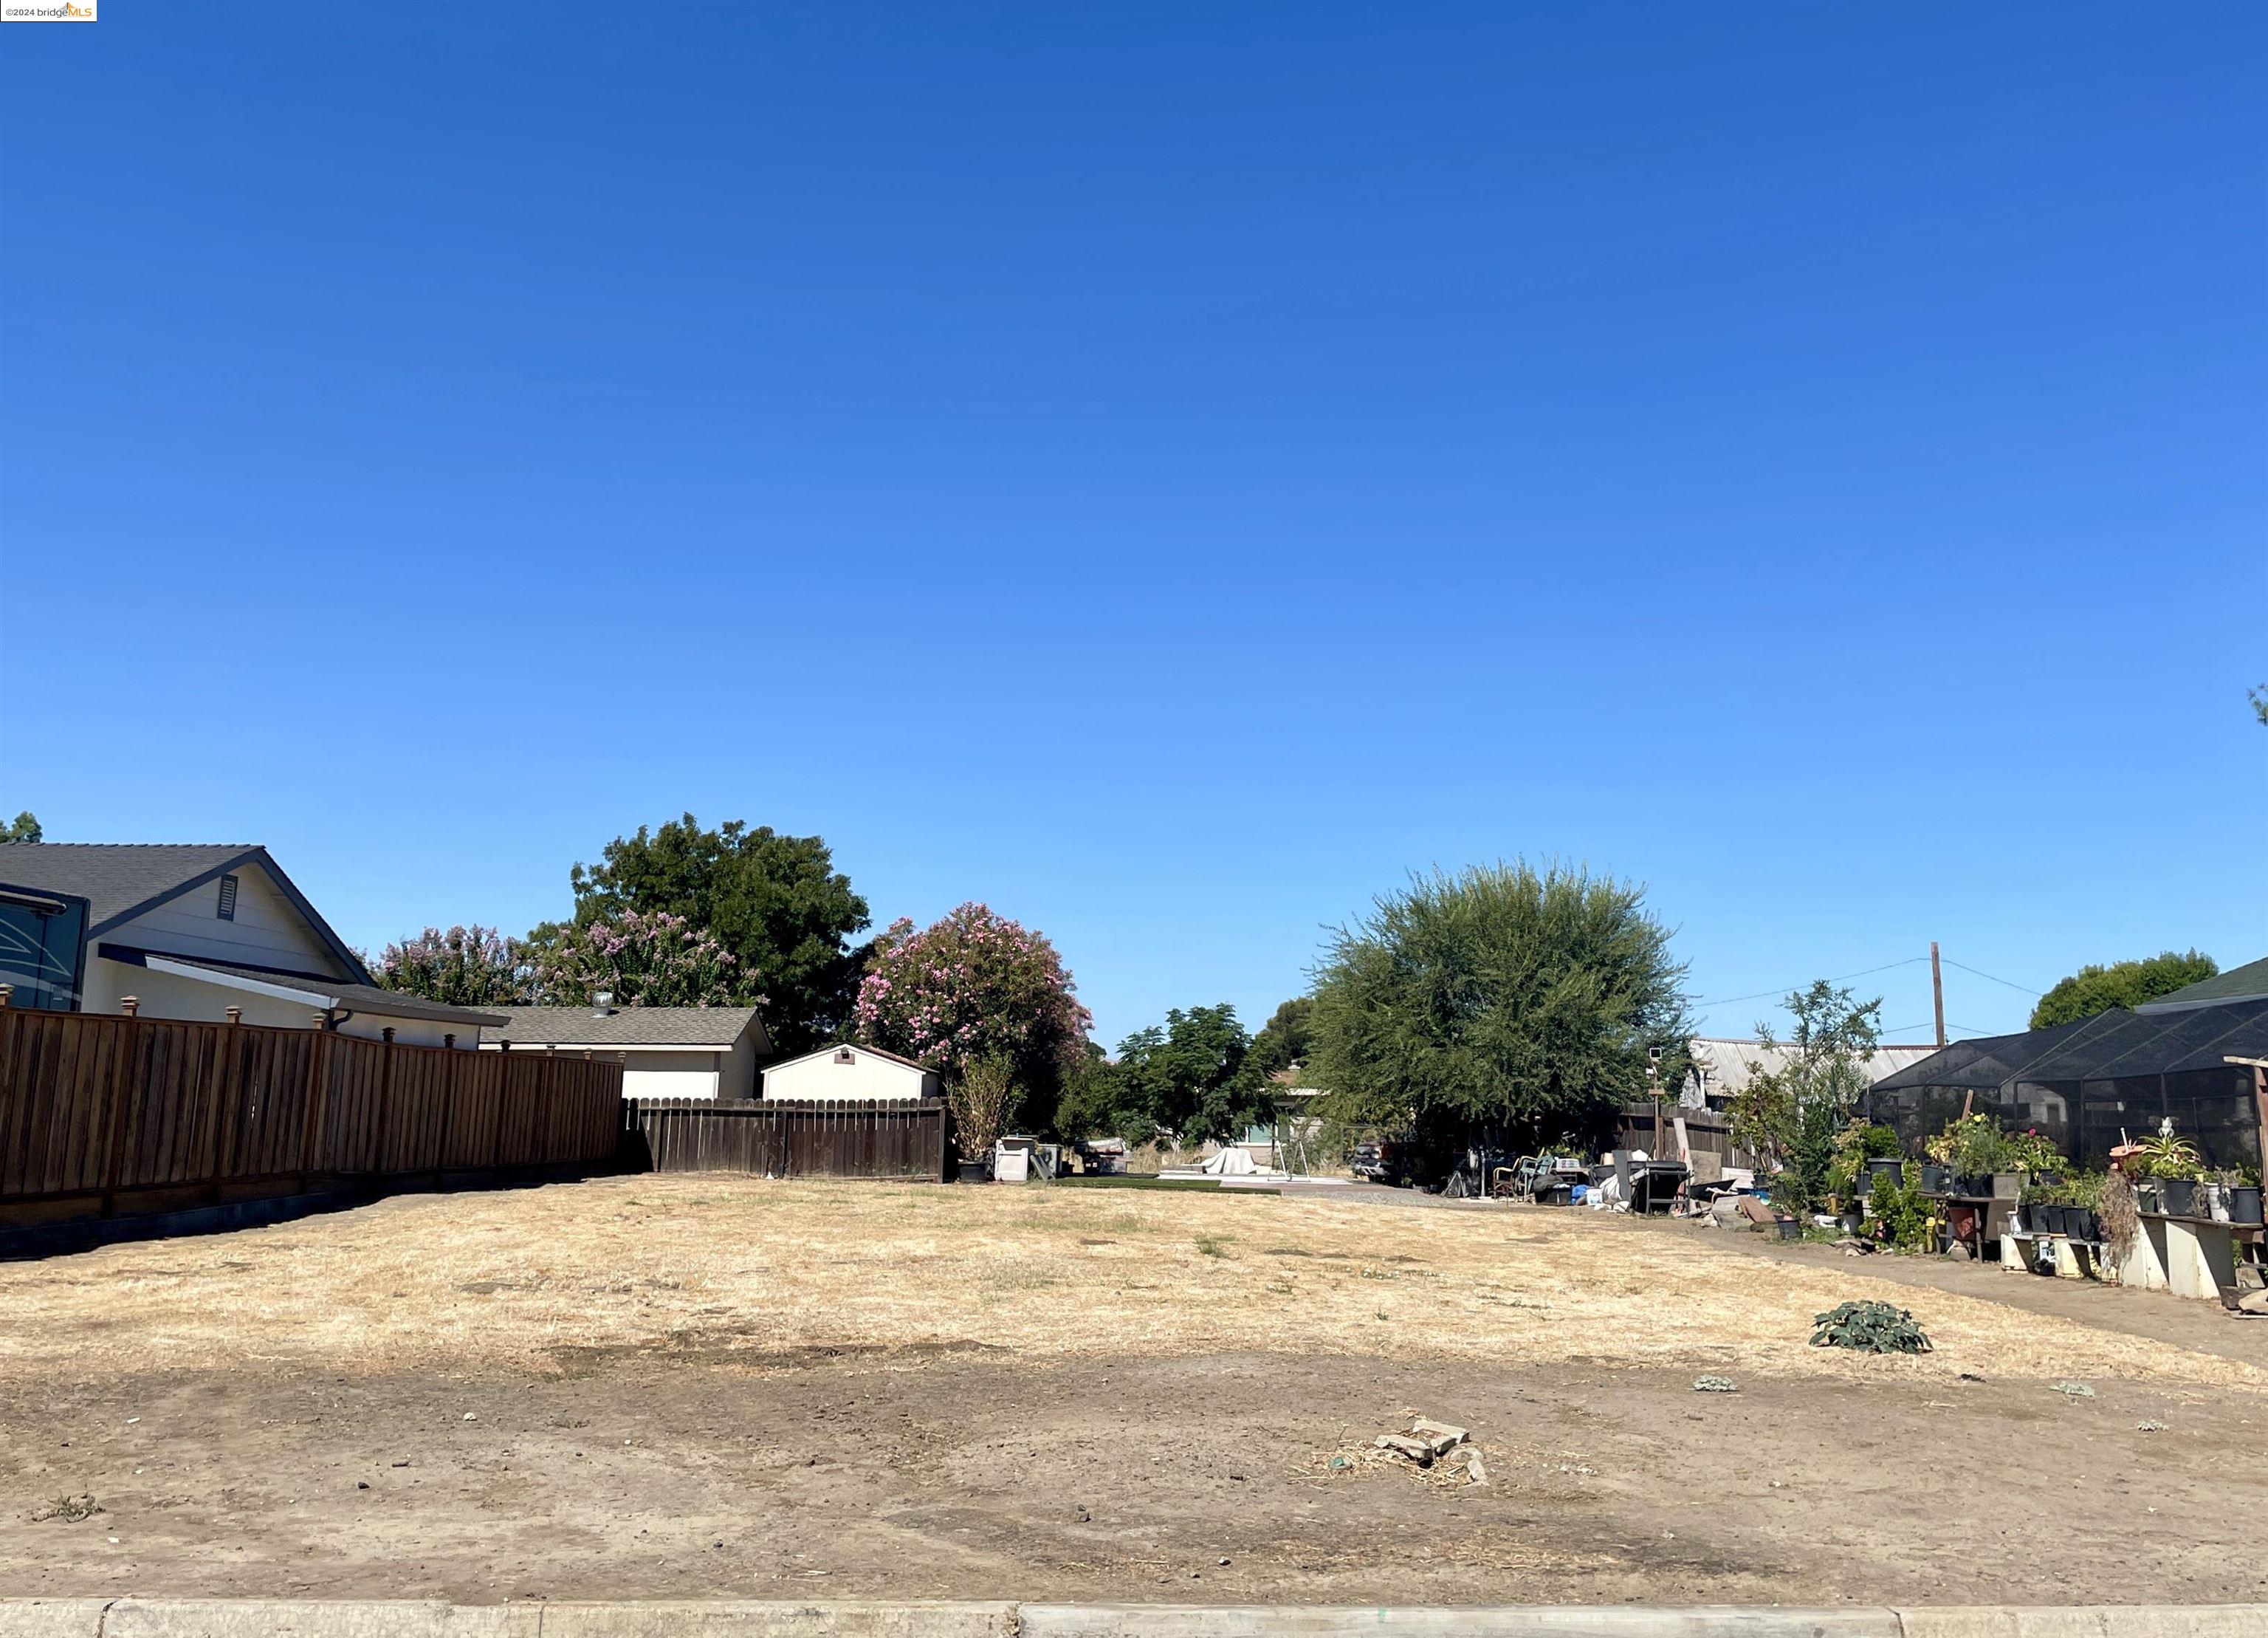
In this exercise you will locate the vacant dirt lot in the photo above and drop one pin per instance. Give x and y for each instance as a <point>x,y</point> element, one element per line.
<point>689,1386</point>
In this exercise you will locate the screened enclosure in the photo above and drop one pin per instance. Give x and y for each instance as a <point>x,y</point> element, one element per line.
<point>2100,1081</point>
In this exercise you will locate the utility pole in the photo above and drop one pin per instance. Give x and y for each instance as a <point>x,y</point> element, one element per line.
<point>1937,990</point>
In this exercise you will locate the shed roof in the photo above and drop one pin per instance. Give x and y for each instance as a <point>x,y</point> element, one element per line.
<point>2248,982</point>
<point>715,1028</point>
<point>2109,1046</point>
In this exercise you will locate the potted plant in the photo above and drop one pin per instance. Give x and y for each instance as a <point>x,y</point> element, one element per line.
<point>2082,1209</point>
<point>977,1099</point>
<point>2244,1195</point>
<point>2172,1164</point>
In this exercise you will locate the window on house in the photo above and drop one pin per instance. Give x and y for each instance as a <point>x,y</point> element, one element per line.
<point>227,910</point>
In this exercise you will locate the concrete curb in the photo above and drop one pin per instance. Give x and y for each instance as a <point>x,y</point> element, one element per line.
<point>257,1617</point>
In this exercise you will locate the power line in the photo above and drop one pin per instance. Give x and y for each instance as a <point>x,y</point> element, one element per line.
<point>1784,988</point>
<point>1964,967</point>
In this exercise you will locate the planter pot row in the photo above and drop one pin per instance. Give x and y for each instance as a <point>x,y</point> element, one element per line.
<point>2075,1221</point>
<point>2179,1197</point>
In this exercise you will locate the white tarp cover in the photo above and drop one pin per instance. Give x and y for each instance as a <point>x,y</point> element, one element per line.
<point>1230,1162</point>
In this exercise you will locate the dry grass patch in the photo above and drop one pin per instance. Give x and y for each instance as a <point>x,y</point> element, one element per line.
<point>768,1274</point>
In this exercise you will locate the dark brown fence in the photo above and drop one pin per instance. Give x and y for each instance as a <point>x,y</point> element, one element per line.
<point>101,1114</point>
<point>775,1138</point>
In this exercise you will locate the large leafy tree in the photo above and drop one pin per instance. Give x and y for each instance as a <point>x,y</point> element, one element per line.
<point>1812,1087</point>
<point>1194,1075</point>
<point>2097,989</point>
<point>1287,1038</point>
<point>1502,999</point>
<point>972,986</point>
<point>641,959</point>
<point>776,903</point>
<point>473,966</point>
<point>23,827</point>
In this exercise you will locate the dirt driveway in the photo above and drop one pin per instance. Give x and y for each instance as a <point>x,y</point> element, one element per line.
<point>653,1387</point>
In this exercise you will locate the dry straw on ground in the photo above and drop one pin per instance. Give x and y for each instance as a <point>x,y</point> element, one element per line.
<point>740,1271</point>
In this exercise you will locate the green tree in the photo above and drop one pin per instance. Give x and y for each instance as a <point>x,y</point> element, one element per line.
<point>2096,989</point>
<point>473,966</point>
<point>775,903</point>
<point>1503,999</point>
<point>1793,1109</point>
<point>23,827</point>
<point>1193,1075</point>
<point>641,959</point>
<point>1287,1038</point>
<point>1097,1101</point>
<point>2259,697</point>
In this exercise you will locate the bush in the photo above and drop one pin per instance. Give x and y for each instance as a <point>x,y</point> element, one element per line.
<point>1868,1328</point>
<point>1901,1213</point>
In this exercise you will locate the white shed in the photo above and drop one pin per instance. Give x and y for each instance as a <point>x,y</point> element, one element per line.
<point>666,1052</point>
<point>850,1073</point>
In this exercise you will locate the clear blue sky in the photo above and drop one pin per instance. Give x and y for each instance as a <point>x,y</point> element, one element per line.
<point>1165,470</point>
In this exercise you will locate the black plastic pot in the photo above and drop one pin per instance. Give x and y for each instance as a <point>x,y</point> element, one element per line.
<point>1790,1229</point>
<point>2243,1204</point>
<point>2053,1218</point>
<point>976,1172</point>
<point>1892,1169</point>
<point>2090,1226</point>
<point>2032,1214</point>
<point>1937,1179</point>
<point>2180,1196</point>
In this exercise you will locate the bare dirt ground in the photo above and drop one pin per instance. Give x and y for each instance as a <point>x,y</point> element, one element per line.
<point>684,1387</point>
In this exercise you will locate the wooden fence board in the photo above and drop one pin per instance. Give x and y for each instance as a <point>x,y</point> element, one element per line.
<point>775,1138</point>
<point>93,1105</point>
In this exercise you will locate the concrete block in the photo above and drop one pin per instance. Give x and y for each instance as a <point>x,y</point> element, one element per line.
<point>1134,1620</point>
<point>51,1618</point>
<point>313,1618</point>
<point>690,1619</point>
<point>2153,1620</point>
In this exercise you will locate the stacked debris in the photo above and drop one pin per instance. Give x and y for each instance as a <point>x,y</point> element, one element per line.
<point>1430,1443</point>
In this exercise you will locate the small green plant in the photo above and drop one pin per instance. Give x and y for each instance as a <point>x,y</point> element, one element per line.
<point>1854,1146</point>
<point>1868,1328</point>
<point>1209,1245</point>
<point>2162,1155</point>
<point>1902,1213</point>
<point>70,1509</point>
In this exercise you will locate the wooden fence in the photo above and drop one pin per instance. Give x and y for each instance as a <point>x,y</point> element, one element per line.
<point>1654,1128</point>
<point>777,1138</point>
<point>101,1114</point>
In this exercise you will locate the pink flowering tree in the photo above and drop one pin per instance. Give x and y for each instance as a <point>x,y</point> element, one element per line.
<point>473,966</point>
<point>971,987</point>
<point>644,958</point>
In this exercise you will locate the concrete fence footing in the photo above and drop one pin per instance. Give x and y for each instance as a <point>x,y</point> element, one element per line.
<point>257,1617</point>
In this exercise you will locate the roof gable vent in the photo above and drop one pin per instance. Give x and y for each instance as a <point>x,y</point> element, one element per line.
<point>846,1056</point>
<point>226,909</point>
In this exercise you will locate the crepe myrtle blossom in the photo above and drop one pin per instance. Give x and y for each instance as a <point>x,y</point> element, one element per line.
<point>970,986</point>
<point>644,958</point>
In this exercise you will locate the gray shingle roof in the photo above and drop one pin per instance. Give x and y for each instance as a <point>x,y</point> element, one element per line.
<point>713,1026</point>
<point>115,877</point>
<point>2248,982</point>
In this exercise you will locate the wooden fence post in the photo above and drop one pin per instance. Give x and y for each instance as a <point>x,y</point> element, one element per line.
<point>317,1081</point>
<point>114,1145</point>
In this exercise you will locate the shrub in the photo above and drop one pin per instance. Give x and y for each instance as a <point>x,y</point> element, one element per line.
<point>1902,1212</point>
<point>1869,1328</point>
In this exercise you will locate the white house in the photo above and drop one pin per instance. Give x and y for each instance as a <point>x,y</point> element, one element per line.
<point>850,1073</point>
<point>667,1051</point>
<point>193,932</point>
